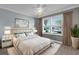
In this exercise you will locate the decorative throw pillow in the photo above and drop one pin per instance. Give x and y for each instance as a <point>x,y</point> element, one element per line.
<point>20,35</point>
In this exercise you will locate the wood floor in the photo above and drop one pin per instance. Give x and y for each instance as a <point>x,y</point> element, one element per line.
<point>67,50</point>
<point>3,51</point>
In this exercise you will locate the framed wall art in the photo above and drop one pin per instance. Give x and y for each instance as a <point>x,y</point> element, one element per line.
<point>21,23</point>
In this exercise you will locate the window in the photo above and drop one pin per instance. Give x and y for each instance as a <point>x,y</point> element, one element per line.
<point>46,25</point>
<point>53,24</point>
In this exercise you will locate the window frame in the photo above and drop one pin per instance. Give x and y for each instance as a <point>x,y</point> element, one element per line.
<point>50,17</point>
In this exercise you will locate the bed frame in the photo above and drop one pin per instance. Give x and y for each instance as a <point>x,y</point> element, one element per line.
<point>42,50</point>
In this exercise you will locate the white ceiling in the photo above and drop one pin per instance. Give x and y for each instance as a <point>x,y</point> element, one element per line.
<point>30,9</point>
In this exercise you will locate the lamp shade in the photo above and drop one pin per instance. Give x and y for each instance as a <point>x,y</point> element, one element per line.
<point>35,30</point>
<point>7,32</point>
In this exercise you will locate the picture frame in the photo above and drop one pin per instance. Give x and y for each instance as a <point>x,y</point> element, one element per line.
<point>21,23</point>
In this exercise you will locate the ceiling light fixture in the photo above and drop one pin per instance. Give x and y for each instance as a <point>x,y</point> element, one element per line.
<point>40,10</point>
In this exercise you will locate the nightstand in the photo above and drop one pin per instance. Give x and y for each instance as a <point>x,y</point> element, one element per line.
<point>6,43</point>
<point>7,37</point>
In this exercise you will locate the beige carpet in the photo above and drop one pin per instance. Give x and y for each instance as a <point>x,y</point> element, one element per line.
<point>50,51</point>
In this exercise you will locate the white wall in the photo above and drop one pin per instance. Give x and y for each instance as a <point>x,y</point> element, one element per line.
<point>75,17</point>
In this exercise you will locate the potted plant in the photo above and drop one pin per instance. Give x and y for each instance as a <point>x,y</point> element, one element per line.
<point>75,36</point>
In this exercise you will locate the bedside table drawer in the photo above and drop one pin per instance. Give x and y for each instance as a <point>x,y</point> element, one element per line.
<point>6,44</point>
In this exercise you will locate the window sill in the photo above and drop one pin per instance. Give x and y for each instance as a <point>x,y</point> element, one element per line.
<point>54,34</point>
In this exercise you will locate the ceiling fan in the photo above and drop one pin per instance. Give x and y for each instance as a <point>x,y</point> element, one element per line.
<point>40,9</point>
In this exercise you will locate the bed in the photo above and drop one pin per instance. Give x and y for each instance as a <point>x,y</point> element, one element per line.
<point>30,45</point>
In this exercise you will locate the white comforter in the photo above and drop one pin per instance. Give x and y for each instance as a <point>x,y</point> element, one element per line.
<point>31,45</point>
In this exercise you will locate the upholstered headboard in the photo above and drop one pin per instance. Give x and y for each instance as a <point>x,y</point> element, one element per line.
<point>20,30</point>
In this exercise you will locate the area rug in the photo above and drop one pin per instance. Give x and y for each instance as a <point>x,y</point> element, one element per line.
<point>50,51</point>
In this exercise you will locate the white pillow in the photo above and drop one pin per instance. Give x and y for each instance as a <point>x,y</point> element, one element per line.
<point>21,35</point>
<point>31,35</point>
